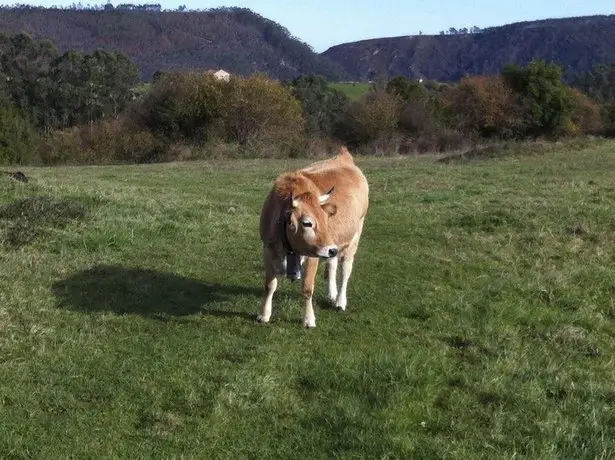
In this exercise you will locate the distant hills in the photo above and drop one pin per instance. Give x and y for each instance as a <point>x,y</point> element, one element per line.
<point>243,42</point>
<point>235,39</point>
<point>577,44</point>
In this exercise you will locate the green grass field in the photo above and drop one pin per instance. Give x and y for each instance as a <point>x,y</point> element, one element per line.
<point>480,322</point>
<point>352,90</point>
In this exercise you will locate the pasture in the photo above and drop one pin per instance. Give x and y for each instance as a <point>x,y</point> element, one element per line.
<point>480,322</point>
<point>352,90</point>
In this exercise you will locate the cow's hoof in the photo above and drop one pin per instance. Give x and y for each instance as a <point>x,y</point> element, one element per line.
<point>340,308</point>
<point>310,324</point>
<point>341,302</point>
<point>261,319</point>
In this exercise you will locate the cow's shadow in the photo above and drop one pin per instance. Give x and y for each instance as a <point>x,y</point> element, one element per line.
<point>148,293</point>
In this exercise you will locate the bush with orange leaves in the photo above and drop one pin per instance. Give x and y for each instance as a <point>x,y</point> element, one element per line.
<point>106,141</point>
<point>262,114</point>
<point>483,106</point>
<point>586,117</point>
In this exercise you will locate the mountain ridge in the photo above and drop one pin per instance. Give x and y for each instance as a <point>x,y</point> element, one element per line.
<point>575,43</point>
<point>243,42</point>
<point>235,39</point>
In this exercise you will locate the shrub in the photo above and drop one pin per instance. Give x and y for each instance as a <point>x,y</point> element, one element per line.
<point>608,117</point>
<point>198,109</point>
<point>406,90</point>
<point>183,107</point>
<point>483,106</point>
<point>17,137</point>
<point>261,113</point>
<point>586,114</point>
<point>119,141</point>
<point>103,142</point>
<point>374,115</point>
<point>62,147</point>
<point>544,98</point>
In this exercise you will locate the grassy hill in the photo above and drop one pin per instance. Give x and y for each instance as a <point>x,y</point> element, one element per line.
<point>235,39</point>
<point>578,44</point>
<point>480,320</point>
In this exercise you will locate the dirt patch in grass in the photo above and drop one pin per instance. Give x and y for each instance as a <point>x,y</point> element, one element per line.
<point>25,220</point>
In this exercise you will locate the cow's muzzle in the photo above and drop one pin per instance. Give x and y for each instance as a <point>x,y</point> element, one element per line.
<point>327,252</point>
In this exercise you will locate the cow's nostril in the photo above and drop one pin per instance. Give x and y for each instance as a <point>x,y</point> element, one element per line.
<point>333,252</point>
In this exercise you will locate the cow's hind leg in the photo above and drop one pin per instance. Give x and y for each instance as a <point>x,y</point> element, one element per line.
<point>271,283</point>
<point>347,263</point>
<point>331,277</point>
<point>309,277</point>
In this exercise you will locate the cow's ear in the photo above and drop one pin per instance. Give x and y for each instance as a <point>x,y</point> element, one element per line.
<point>330,209</point>
<point>326,196</point>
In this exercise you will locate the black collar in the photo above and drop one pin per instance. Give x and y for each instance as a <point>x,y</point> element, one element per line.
<point>293,260</point>
<point>283,222</point>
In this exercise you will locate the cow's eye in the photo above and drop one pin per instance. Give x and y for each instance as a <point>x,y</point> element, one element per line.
<point>306,223</point>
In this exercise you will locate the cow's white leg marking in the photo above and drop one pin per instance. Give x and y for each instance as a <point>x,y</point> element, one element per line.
<point>347,262</point>
<point>265,314</point>
<point>332,279</point>
<point>311,266</point>
<point>309,318</point>
<point>271,284</point>
<point>342,300</point>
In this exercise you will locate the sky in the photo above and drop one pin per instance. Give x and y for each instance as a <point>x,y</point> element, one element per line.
<point>324,23</point>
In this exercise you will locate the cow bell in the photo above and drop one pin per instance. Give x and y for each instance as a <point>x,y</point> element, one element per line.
<point>293,266</point>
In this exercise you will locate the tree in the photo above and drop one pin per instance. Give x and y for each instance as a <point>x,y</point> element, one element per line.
<point>322,105</point>
<point>599,83</point>
<point>24,62</point>
<point>407,90</point>
<point>88,87</point>
<point>543,96</point>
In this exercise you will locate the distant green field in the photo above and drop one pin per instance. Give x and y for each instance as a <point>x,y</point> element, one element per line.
<point>352,90</point>
<point>480,324</point>
<point>142,89</point>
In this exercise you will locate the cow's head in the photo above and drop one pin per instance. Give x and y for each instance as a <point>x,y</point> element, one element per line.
<point>307,226</point>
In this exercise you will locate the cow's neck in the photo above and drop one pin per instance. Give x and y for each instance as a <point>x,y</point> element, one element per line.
<point>283,222</point>
<point>293,260</point>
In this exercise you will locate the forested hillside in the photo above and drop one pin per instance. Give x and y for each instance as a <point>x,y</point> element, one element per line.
<point>576,44</point>
<point>235,39</point>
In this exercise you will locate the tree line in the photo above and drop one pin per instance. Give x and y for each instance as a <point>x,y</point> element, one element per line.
<point>84,108</point>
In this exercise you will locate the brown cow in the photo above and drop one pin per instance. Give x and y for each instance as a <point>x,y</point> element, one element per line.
<point>313,213</point>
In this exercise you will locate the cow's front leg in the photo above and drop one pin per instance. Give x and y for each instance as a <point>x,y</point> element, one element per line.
<point>271,283</point>
<point>342,299</point>
<point>309,276</point>
<point>347,262</point>
<point>331,276</point>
